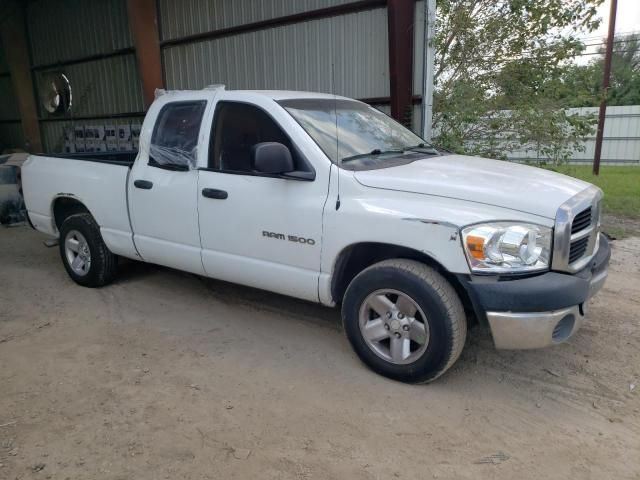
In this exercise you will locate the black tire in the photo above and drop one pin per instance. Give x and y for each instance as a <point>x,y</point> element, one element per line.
<point>103,265</point>
<point>433,294</point>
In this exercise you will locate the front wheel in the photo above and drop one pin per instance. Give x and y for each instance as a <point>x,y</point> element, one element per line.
<point>84,254</point>
<point>404,320</point>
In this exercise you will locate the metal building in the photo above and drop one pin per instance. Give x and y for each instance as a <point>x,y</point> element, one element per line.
<point>115,53</point>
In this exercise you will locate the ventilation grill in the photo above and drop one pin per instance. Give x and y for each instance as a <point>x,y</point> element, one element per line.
<point>578,249</point>
<point>581,221</point>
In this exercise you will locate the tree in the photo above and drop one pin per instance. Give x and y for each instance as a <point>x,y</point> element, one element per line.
<point>499,70</point>
<point>583,84</point>
<point>625,72</point>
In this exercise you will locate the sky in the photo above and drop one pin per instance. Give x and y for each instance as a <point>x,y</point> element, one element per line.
<point>627,21</point>
<point>627,18</point>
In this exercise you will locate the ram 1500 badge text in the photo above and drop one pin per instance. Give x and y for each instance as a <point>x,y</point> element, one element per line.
<point>326,199</point>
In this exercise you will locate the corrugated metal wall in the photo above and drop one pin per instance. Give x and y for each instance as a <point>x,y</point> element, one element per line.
<point>295,57</point>
<point>9,109</point>
<point>10,127</point>
<point>11,135</point>
<point>298,56</point>
<point>101,87</point>
<point>188,17</point>
<point>621,142</point>
<point>62,30</point>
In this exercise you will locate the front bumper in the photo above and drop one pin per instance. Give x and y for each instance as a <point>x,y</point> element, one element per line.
<point>539,311</point>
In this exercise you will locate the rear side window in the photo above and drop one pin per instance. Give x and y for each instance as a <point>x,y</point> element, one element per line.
<point>174,141</point>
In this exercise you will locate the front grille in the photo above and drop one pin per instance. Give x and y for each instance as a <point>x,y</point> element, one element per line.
<point>576,230</point>
<point>578,249</point>
<point>581,221</point>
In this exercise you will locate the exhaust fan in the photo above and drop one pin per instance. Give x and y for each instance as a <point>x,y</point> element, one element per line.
<point>55,93</point>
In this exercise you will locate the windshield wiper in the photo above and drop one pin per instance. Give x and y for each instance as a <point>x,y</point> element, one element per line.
<point>372,153</point>
<point>422,147</point>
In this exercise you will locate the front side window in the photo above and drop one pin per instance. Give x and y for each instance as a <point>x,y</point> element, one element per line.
<point>237,128</point>
<point>174,141</point>
<point>348,130</point>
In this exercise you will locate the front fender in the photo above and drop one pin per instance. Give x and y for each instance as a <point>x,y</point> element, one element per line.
<point>424,223</point>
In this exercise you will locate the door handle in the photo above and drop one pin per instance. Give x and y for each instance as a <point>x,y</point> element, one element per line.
<point>213,193</point>
<point>144,184</point>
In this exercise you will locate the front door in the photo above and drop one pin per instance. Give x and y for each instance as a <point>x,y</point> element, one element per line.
<point>258,230</point>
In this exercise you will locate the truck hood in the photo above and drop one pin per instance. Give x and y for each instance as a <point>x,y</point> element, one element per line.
<point>479,180</point>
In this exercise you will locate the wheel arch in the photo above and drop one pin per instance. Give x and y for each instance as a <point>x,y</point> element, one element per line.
<point>356,257</point>
<point>63,206</point>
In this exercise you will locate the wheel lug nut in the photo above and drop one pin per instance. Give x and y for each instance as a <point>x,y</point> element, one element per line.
<point>397,334</point>
<point>405,328</point>
<point>386,326</point>
<point>389,315</point>
<point>400,316</point>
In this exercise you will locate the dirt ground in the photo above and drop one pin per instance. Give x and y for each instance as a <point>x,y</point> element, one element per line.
<point>168,375</point>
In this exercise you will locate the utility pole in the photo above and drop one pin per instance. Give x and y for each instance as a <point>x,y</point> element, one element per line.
<point>427,71</point>
<point>605,86</point>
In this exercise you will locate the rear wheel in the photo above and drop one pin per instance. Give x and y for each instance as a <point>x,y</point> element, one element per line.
<point>84,254</point>
<point>404,320</point>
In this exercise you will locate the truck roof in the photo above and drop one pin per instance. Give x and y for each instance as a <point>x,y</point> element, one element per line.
<point>272,94</point>
<point>290,94</point>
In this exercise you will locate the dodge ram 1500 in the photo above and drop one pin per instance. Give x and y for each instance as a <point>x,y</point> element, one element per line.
<point>327,199</point>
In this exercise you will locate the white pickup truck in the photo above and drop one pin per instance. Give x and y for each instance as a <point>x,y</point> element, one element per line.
<point>327,199</point>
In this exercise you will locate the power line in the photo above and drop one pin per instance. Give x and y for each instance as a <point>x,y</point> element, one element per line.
<point>618,34</point>
<point>615,42</point>
<point>600,53</point>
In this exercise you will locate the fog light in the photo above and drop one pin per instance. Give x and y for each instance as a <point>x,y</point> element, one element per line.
<point>563,328</point>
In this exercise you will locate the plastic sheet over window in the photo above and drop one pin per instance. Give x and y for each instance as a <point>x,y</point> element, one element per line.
<point>174,142</point>
<point>175,156</point>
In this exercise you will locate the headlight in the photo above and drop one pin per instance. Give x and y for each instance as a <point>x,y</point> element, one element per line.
<point>507,247</point>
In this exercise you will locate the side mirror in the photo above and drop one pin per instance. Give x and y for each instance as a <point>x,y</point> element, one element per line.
<point>271,157</point>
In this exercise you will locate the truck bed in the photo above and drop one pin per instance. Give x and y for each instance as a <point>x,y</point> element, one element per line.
<point>116,158</point>
<point>96,180</point>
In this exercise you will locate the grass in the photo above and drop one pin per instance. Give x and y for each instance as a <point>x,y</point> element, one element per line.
<point>621,187</point>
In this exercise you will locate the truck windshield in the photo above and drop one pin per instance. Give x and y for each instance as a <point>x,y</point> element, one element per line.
<point>362,131</point>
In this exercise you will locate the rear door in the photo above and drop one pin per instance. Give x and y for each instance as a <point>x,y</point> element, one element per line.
<point>163,187</point>
<point>260,230</point>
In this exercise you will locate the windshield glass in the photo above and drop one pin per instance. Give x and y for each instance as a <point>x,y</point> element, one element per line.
<point>362,130</point>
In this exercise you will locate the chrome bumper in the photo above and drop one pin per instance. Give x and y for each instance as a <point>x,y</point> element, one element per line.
<point>515,331</point>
